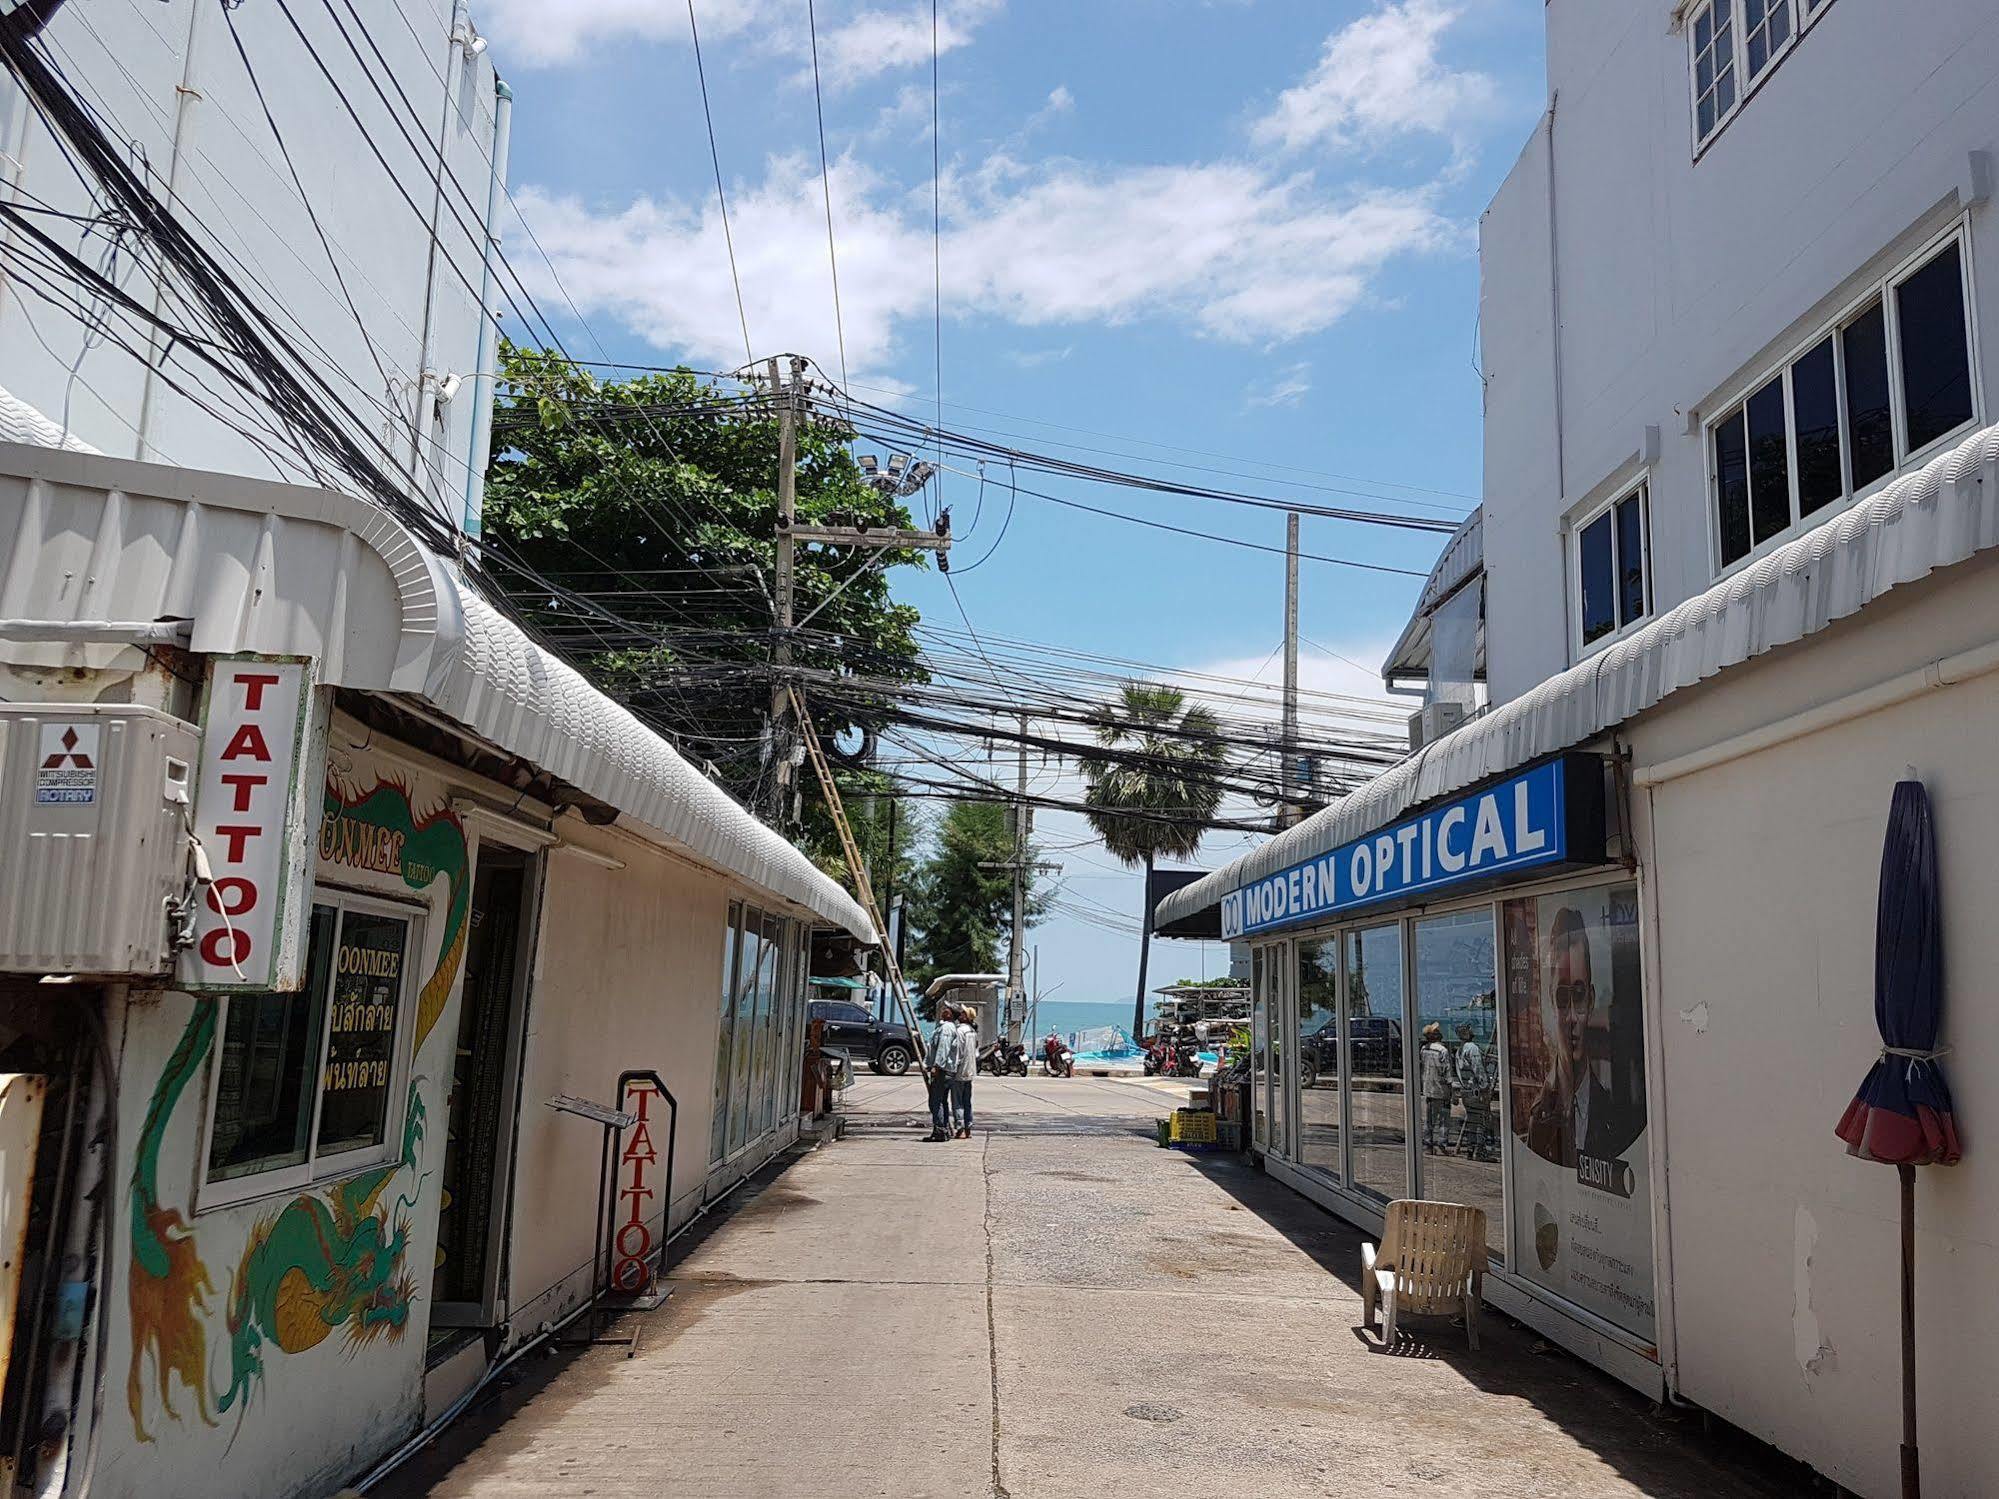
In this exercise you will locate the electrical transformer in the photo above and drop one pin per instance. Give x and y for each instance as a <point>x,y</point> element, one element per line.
<point>94,850</point>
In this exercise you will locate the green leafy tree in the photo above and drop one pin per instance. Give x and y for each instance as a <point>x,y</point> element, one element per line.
<point>1154,788</point>
<point>961,905</point>
<point>656,499</point>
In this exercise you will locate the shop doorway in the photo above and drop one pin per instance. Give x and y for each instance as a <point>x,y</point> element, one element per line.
<point>46,1099</point>
<point>468,1280</point>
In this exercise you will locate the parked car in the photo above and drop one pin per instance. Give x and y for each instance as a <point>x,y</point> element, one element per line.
<point>885,1045</point>
<point>1374,1040</point>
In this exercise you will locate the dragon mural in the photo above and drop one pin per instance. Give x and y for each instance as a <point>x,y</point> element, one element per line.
<point>328,1259</point>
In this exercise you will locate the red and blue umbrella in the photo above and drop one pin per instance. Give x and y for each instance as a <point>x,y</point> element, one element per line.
<point>1902,1114</point>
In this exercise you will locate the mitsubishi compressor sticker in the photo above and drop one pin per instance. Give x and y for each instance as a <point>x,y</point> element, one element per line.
<point>66,769</point>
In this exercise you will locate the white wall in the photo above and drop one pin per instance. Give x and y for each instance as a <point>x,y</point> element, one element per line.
<point>129,59</point>
<point>1680,278</point>
<point>1764,870</point>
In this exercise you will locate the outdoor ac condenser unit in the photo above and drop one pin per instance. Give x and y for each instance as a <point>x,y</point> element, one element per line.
<point>1433,721</point>
<point>93,838</point>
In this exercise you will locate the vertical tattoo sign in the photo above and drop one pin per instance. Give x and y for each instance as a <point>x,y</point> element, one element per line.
<point>630,1271</point>
<point>252,738</point>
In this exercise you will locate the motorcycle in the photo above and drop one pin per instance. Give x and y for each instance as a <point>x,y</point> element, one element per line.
<point>1058,1059</point>
<point>1000,1059</point>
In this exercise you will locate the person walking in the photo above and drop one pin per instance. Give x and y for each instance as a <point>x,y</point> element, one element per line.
<point>940,1069</point>
<point>968,1068</point>
<point>1436,1062</point>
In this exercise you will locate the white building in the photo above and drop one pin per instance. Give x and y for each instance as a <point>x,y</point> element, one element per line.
<point>334,911</point>
<point>1739,328</point>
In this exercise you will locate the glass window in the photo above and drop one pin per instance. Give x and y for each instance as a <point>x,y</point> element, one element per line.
<point>270,1046</point>
<point>1319,1056</point>
<point>742,1054</point>
<point>1936,360</point>
<point>1870,440</point>
<point>1769,461</point>
<point>1713,39</point>
<point>1581,1209</point>
<point>1458,1065</point>
<point>1379,1101</point>
<point>1631,559</point>
<point>1599,573</point>
<point>1833,449</point>
<point>1611,568</point>
<point>360,1044</point>
<point>718,1138</point>
<point>768,979</point>
<point>1815,414</point>
<point>1259,1051</point>
<point>1280,1112</point>
<point>1731,484</point>
<point>1767,26</point>
<point>308,1081</point>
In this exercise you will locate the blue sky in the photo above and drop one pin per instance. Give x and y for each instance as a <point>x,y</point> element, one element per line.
<point>1244,227</point>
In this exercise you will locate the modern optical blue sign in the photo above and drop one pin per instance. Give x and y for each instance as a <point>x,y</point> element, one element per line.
<point>1519,824</point>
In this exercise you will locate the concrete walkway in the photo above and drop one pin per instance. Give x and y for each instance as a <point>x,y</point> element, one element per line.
<point>1054,1308</point>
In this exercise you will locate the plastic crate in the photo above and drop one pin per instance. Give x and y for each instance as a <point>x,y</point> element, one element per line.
<point>1193,1127</point>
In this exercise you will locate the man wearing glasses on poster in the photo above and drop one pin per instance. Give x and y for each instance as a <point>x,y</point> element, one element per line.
<point>1580,1120</point>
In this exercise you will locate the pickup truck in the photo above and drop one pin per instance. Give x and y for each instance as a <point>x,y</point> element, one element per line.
<point>885,1045</point>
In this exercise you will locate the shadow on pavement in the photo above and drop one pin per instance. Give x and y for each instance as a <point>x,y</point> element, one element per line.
<point>1656,1448</point>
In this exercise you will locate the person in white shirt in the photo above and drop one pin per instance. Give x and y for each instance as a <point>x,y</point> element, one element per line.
<point>940,1069</point>
<point>968,1068</point>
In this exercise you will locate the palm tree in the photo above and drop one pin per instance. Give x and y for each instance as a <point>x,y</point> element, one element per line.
<point>1154,789</point>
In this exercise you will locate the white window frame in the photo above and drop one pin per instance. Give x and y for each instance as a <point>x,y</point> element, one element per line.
<point>316,1169</point>
<point>1642,488</point>
<point>1881,288</point>
<point>1804,15</point>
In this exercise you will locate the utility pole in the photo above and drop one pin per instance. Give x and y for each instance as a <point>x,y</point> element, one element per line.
<point>1021,866</point>
<point>1290,807</point>
<point>790,397</point>
<point>787,513</point>
<point>1013,952</point>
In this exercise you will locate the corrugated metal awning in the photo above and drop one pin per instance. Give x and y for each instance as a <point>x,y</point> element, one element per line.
<point>1943,513</point>
<point>1462,559</point>
<point>285,570</point>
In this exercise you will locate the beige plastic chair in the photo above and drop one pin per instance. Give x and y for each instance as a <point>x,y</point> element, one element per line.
<point>1431,1259</point>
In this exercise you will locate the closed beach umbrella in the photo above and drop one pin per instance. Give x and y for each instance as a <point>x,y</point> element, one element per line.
<point>1902,1113</point>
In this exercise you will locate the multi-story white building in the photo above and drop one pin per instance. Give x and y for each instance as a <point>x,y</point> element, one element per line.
<point>1739,322</point>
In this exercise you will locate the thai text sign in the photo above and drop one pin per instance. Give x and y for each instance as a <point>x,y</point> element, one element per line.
<point>1521,823</point>
<point>250,747</point>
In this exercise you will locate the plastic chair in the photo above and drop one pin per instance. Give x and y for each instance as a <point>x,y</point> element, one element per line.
<point>1432,1259</point>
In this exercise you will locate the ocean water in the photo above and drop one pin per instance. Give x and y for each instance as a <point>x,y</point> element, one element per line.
<point>1067,1016</point>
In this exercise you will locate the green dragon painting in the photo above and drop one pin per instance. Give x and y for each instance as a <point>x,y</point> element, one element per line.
<point>334,1259</point>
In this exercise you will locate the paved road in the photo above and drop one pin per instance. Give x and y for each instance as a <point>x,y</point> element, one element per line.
<point>1054,1308</point>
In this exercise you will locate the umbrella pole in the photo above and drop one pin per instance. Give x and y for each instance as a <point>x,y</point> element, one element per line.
<point>1912,1476</point>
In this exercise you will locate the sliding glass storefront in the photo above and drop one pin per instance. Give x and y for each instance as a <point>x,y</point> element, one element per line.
<point>1488,1051</point>
<point>759,1043</point>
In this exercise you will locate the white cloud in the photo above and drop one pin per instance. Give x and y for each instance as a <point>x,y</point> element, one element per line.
<point>1058,103</point>
<point>872,42</point>
<point>537,33</point>
<point>1223,247</point>
<point>1034,359</point>
<point>852,47</point>
<point>1378,77</point>
<point>1286,388</point>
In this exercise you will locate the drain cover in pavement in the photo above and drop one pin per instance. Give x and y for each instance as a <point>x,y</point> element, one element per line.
<point>1152,1412</point>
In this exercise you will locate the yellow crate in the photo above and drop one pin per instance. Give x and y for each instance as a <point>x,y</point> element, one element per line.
<point>1193,1127</point>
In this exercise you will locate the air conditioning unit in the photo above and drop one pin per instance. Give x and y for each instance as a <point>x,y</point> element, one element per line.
<point>94,850</point>
<point>1433,721</point>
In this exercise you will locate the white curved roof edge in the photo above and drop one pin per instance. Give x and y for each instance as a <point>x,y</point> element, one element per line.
<point>1943,513</point>
<point>1462,556</point>
<point>288,570</point>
